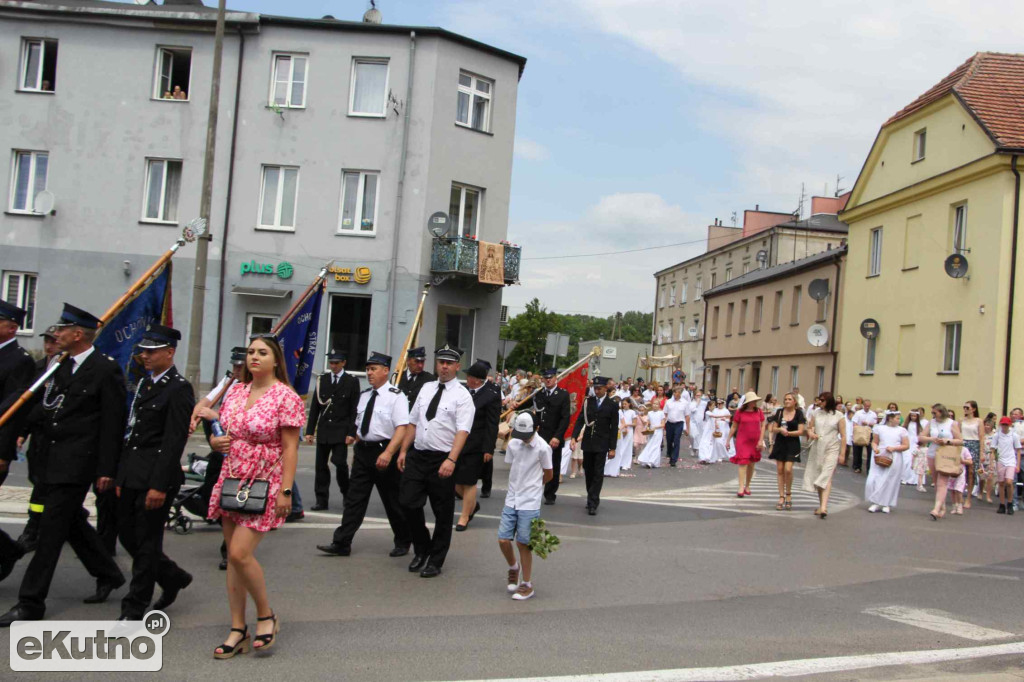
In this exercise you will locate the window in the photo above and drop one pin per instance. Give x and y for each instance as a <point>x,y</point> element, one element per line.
<point>746,266</point>
<point>905,350</point>
<point>741,325</point>
<point>661,298</point>
<point>951,355</point>
<point>474,103</point>
<point>672,295</point>
<point>696,328</point>
<point>728,318</point>
<point>28,178</point>
<point>348,330</point>
<point>258,323</point>
<point>714,323</point>
<point>278,197</point>
<point>819,379</point>
<point>173,73</point>
<point>700,289</point>
<point>777,311</point>
<point>20,290</point>
<point>920,138</point>
<point>358,203</point>
<point>794,375</point>
<point>464,210</point>
<point>714,279</point>
<point>682,330</point>
<point>288,84</point>
<point>163,185</point>
<point>869,355</point>
<point>912,243</point>
<point>456,326</point>
<point>821,314</point>
<point>758,312</point>
<point>775,381</point>
<point>795,307</point>
<point>960,229</point>
<point>728,381</point>
<point>728,274</point>
<point>369,88</point>
<point>682,292</point>
<point>875,263</point>
<point>742,385</point>
<point>38,65</point>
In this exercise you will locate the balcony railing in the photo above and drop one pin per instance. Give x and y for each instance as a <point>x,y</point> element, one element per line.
<point>457,259</point>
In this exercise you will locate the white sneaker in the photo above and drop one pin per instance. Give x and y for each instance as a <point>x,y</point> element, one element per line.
<point>873,508</point>
<point>523,593</point>
<point>885,510</point>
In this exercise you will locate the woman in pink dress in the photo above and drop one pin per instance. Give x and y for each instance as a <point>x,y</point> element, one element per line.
<point>261,416</point>
<point>748,431</point>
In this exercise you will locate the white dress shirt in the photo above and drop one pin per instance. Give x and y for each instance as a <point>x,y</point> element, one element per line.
<point>77,360</point>
<point>649,395</point>
<point>676,410</point>
<point>454,413</point>
<point>526,475</point>
<point>390,410</point>
<point>865,417</point>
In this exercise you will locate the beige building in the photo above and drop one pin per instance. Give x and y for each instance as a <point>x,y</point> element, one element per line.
<point>765,240</point>
<point>767,333</point>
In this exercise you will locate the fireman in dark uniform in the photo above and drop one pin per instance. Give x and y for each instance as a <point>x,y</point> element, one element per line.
<point>553,409</point>
<point>332,418</point>
<point>414,377</point>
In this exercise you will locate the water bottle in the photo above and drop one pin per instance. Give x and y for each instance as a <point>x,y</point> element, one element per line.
<point>216,429</point>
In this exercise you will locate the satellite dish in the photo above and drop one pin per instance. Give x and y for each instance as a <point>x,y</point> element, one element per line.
<point>818,289</point>
<point>956,266</point>
<point>438,224</point>
<point>44,202</point>
<point>817,335</point>
<point>869,329</point>
<point>692,331</point>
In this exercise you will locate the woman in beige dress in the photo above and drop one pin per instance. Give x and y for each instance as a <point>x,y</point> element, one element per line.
<point>827,433</point>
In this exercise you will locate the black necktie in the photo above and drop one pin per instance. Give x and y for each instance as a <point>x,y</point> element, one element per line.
<point>368,414</point>
<point>434,402</point>
<point>334,380</point>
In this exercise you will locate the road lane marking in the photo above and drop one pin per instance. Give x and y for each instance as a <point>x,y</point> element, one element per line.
<point>937,621</point>
<point>795,668</point>
<point>973,574</point>
<point>578,537</point>
<point>731,551</point>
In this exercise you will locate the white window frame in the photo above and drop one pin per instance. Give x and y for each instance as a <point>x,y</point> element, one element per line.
<point>672,295</point>
<point>794,375</point>
<point>820,371</point>
<point>775,381</point>
<point>870,352</point>
<point>249,320</point>
<point>920,143</point>
<point>875,253</point>
<point>163,190</point>
<point>951,364</point>
<point>682,292</point>
<point>728,274</point>
<point>356,229</point>
<point>26,43</point>
<point>30,199</point>
<point>22,278</point>
<point>682,330</point>
<point>158,91</point>
<point>291,57</point>
<point>460,227</point>
<point>278,204</point>
<point>352,88</point>
<point>472,92</point>
<point>960,229</point>
<point>795,312</point>
<point>700,290</point>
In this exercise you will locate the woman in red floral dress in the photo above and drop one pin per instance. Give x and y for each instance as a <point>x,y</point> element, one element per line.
<point>261,416</point>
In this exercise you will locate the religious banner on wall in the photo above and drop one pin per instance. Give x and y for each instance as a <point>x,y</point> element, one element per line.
<point>491,264</point>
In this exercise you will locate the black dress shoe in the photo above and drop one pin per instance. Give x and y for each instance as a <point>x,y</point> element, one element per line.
<point>223,565</point>
<point>548,500</point>
<point>319,507</point>
<point>474,511</point>
<point>591,511</point>
<point>418,562</point>
<point>171,593</point>
<point>485,495</point>
<point>7,563</point>
<point>27,542</point>
<point>103,590</point>
<point>430,571</point>
<point>19,613</point>
<point>459,527</point>
<point>295,516</point>
<point>334,549</point>
<point>398,551</point>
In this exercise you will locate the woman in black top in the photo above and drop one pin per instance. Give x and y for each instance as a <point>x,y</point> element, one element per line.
<point>787,425</point>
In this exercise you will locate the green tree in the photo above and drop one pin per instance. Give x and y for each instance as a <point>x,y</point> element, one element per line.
<point>530,329</point>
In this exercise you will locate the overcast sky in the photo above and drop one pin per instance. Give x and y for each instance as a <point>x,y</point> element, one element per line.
<point>641,121</point>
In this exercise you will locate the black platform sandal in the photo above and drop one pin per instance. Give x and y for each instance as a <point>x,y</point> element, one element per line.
<point>789,503</point>
<point>226,651</point>
<point>266,641</point>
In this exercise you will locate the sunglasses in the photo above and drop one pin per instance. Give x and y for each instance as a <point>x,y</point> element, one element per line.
<point>264,336</point>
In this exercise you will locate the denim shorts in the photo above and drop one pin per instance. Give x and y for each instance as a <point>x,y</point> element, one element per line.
<point>517,521</point>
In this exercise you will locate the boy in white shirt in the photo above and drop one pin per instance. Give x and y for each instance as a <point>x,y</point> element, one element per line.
<point>1007,445</point>
<point>530,458</point>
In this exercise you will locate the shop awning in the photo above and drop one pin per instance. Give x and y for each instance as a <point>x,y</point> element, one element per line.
<point>259,291</point>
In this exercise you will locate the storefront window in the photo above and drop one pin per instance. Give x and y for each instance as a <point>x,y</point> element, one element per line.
<point>455,327</point>
<point>349,330</point>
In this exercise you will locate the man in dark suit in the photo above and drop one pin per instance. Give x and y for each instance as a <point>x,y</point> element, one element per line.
<point>553,410</point>
<point>150,475</point>
<point>332,418</point>
<point>84,411</point>
<point>414,377</point>
<point>16,371</point>
<point>479,447</point>
<point>597,429</point>
<point>487,472</point>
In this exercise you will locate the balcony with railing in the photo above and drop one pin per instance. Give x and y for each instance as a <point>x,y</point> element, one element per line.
<point>457,260</point>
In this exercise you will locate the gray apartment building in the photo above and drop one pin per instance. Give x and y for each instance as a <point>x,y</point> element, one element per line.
<point>337,140</point>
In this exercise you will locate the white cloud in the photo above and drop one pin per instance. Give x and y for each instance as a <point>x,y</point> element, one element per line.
<point>530,150</point>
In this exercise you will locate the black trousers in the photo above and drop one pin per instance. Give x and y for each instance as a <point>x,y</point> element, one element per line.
<point>487,476</point>
<point>593,470</point>
<point>9,549</point>
<point>142,534</point>
<point>365,477</point>
<point>420,483</point>
<point>862,457</point>
<point>106,519</point>
<point>551,488</point>
<point>64,520</point>
<point>337,454</point>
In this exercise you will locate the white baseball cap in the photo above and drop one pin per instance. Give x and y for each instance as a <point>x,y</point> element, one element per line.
<point>522,426</point>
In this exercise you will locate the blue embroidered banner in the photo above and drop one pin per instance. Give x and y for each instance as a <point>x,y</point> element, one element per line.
<point>298,340</point>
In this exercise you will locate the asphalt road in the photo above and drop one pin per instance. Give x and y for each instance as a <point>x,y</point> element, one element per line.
<point>674,573</point>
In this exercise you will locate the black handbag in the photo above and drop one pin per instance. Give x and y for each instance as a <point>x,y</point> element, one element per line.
<point>244,496</point>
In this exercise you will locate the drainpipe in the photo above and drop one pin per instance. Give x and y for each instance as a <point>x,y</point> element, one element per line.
<point>227,212</point>
<point>832,335</point>
<point>703,347</point>
<point>393,278</point>
<point>1013,282</point>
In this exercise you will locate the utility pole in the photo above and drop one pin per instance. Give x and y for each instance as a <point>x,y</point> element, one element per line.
<point>195,328</point>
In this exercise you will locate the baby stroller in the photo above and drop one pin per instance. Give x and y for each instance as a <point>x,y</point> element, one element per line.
<point>195,499</point>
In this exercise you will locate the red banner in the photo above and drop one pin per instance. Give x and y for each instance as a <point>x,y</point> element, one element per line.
<point>578,385</point>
